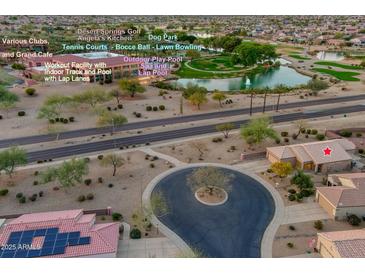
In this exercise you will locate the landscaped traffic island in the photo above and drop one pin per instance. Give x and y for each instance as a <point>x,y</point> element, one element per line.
<point>217,211</point>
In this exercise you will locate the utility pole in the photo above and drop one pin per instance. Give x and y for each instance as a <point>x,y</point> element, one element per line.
<point>263,109</point>
<point>277,104</point>
<point>251,103</point>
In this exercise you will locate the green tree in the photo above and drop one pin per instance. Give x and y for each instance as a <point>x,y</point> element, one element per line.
<point>219,96</point>
<point>131,86</point>
<point>193,54</point>
<point>209,178</point>
<point>58,102</point>
<point>92,96</point>
<point>282,169</point>
<point>117,94</point>
<point>112,160</point>
<point>11,158</point>
<point>48,112</point>
<point>251,53</point>
<point>7,100</point>
<point>302,180</point>
<point>198,98</point>
<point>107,118</point>
<point>191,89</point>
<point>68,174</point>
<point>257,130</point>
<point>225,128</point>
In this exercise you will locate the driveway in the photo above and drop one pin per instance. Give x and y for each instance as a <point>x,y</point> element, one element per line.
<point>304,213</point>
<point>234,229</point>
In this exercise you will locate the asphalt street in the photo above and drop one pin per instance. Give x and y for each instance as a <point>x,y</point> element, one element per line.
<point>231,230</point>
<point>90,147</point>
<point>24,140</point>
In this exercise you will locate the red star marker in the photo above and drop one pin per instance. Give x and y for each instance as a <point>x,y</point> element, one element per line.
<point>327,151</point>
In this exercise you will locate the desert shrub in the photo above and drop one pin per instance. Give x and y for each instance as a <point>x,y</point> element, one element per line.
<point>110,185</point>
<point>361,151</point>
<point>1,117</point>
<point>345,133</point>
<point>320,137</point>
<point>35,183</point>
<point>233,148</point>
<point>161,107</point>
<point>138,114</point>
<point>100,180</point>
<point>152,165</point>
<point>22,200</point>
<point>309,131</point>
<point>353,220</point>
<point>19,195</point>
<point>290,245</point>
<point>294,136</point>
<point>120,106</point>
<point>291,227</point>
<point>100,157</point>
<point>65,121</point>
<point>318,225</point>
<point>87,181</point>
<point>291,197</point>
<point>40,193</point>
<point>21,113</point>
<point>81,198</point>
<point>148,108</point>
<point>33,198</point>
<point>116,216</point>
<point>71,119</point>
<point>284,133</point>
<point>90,196</point>
<point>155,108</point>
<point>135,233</point>
<point>277,141</point>
<point>30,91</point>
<point>286,140</point>
<point>4,192</point>
<point>292,191</point>
<point>314,132</point>
<point>358,134</point>
<point>217,139</point>
<point>36,173</point>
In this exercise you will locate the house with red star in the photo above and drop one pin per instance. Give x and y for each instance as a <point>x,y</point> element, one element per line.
<point>343,195</point>
<point>322,156</point>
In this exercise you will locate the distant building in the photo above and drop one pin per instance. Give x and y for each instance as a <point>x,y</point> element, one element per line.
<point>310,156</point>
<point>344,195</point>
<point>342,244</point>
<point>63,234</point>
<point>119,65</point>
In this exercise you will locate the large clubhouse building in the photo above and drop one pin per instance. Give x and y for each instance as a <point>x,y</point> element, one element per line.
<point>117,66</point>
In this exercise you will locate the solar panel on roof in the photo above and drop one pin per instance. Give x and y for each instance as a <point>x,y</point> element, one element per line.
<point>54,243</point>
<point>84,241</point>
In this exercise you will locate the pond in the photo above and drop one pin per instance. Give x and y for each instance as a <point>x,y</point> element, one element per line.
<point>271,78</point>
<point>330,55</point>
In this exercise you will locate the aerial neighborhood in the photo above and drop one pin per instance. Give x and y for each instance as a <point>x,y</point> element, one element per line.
<point>138,136</point>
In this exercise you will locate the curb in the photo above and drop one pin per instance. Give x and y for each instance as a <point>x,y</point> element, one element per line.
<point>269,234</point>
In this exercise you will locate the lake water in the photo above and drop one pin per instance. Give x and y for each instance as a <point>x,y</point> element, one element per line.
<point>330,55</point>
<point>271,78</point>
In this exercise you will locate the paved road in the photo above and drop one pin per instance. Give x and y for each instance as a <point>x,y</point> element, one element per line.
<point>231,230</point>
<point>168,121</point>
<point>74,150</point>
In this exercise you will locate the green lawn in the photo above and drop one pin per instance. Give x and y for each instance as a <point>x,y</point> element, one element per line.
<point>341,75</point>
<point>220,63</point>
<point>299,57</point>
<point>186,72</point>
<point>335,64</point>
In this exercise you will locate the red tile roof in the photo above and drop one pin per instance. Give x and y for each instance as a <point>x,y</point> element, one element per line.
<point>103,237</point>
